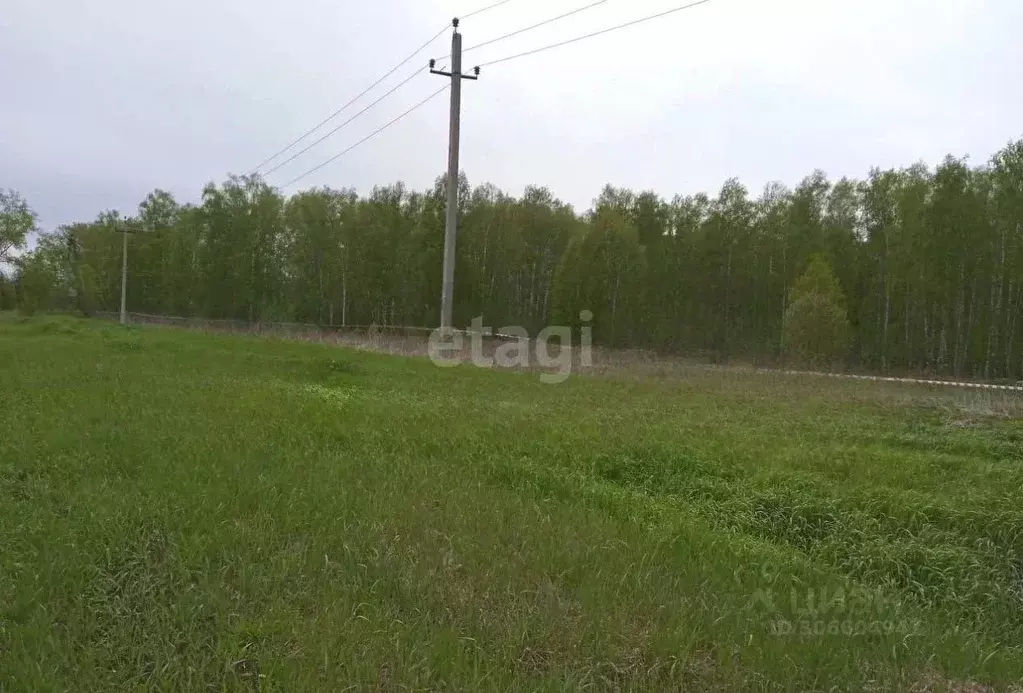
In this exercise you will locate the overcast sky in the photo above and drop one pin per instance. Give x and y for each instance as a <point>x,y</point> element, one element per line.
<point>104,100</point>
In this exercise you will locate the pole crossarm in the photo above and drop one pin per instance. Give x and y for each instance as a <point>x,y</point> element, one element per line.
<point>474,75</point>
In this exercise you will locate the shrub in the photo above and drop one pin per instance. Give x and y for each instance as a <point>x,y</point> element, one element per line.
<point>816,326</point>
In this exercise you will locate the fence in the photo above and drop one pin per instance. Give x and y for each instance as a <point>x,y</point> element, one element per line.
<point>414,341</point>
<point>395,339</point>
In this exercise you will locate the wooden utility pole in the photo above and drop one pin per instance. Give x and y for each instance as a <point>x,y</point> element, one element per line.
<point>451,222</point>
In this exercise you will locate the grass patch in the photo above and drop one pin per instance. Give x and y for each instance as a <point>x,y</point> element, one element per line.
<point>188,511</point>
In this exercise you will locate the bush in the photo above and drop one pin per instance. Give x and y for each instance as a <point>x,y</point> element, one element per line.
<point>8,295</point>
<point>816,326</point>
<point>817,331</point>
<point>35,286</point>
<point>87,290</point>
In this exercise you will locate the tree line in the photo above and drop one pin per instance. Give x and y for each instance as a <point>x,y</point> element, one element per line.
<point>923,266</point>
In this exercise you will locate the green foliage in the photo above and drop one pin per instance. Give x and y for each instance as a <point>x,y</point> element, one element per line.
<point>929,262</point>
<point>86,293</point>
<point>16,221</point>
<point>8,294</point>
<point>816,331</point>
<point>35,284</point>
<point>182,511</point>
<point>816,324</point>
<point>602,272</point>
<point>818,280</point>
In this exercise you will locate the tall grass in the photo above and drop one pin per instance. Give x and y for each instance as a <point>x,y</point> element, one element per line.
<point>189,511</point>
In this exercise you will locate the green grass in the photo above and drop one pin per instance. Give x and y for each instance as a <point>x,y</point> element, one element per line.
<point>185,511</point>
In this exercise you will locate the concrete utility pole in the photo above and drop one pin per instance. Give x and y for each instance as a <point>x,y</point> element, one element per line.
<point>124,276</point>
<point>451,224</point>
<point>344,289</point>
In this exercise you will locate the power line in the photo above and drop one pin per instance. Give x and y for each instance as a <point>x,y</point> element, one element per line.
<point>535,26</point>
<point>365,91</point>
<point>393,89</point>
<point>364,139</point>
<point>361,94</point>
<point>484,9</point>
<point>597,33</point>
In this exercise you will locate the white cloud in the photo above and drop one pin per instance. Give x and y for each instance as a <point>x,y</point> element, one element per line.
<point>117,98</point>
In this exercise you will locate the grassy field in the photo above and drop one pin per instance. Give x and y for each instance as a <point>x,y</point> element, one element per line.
<point>182,511</point>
